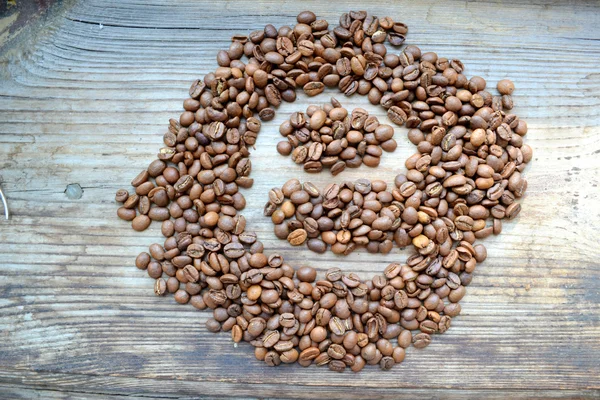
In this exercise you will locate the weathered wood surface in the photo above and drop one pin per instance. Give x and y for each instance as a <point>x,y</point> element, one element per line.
<point>86,101</point>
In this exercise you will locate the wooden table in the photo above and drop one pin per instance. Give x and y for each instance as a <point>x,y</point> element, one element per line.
<point>85,98</point>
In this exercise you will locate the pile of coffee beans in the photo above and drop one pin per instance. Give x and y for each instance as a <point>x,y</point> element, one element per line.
<point>361,213</point>
<point>331,137</point>
<point>466,172</point>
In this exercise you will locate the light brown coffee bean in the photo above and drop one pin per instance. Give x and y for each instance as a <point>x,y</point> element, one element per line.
<point>297,237</point>
<point>313,88</point>
<point>141,223</point>
<point>505,86</point>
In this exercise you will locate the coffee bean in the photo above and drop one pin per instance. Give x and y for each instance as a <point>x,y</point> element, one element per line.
<point>158,214</point>
<point>505,87</point>
<point>181,296</point>
<point>306,274</point>
<point>297,237</point>
<point>121,196</point>
<point>272,359</point>
<point>337,326</point>
<point>276,196</point>
<point>160,287</point>
<point>421,340</point>
<point>464,223</point>
<point>132,201</point>
<point>313,88</point>
<point>141,178</point>
<point>140,223</point>
<point>398,355</point>
<point>233,250</point>
<point>299,154</point>
<point>337,365</point>
<point>270,338</point>
<point>126,214</point>
<point>142,260</point>
<point>397,115</point>
<point>306,17</point>
<point>284,148</point>
<point>386,363</point>
<point>289,356</point>
<point>511,211</point>
<point>336,351</point>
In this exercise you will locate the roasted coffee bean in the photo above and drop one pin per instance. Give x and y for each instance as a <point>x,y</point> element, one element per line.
<point>141,222</point>
<point>276,196</point>
<point>121,196</point>
<point>313,88</point>
<point>397,115</point>
<point>272,359</point>
<point>337,326</point>
<point>181,296</point>
<point>306,274</point>
<point>309,354</point>
<point>232,250</point>
<point>160,287</point>
<point>271,338</point>
<point>297,237</point>
<point>505,87</point>
<point>336,351</point>
<point>421,340</point>
<point>126,214</point>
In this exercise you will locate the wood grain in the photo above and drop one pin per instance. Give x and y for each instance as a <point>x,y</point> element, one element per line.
<point>87,102</point>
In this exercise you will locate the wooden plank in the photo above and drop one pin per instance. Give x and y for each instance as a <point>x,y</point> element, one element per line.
<point>88,102</point>
<point>74,386</point>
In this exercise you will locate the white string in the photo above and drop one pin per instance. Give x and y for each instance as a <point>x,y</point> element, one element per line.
<point>6,215</point>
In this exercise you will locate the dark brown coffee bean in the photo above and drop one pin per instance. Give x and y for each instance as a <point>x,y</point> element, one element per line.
<point>272,94</point>
<point>142,260</point>
<point>159,213</point>
<point>132,201</point>
<point>309,354</point>
<point>306,17</point>
<point>183,184</point>
<point>276,196</point>
<point>511,211</point>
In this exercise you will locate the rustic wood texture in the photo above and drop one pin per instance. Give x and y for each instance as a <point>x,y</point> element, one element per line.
<point>87,99</point>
